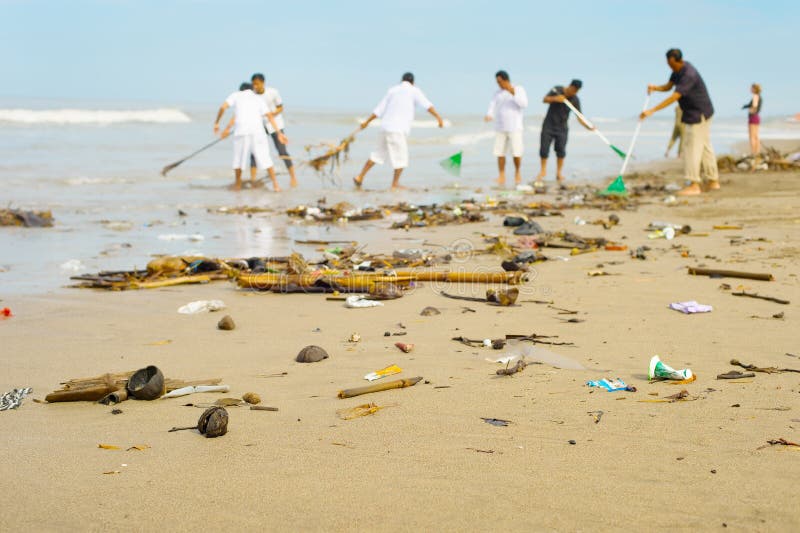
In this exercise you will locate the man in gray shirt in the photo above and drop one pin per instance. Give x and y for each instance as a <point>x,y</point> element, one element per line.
<point>700,163</point>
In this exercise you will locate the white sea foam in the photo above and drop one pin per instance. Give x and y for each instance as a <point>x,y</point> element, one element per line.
<point>83,180</point>
<point>92,116</point>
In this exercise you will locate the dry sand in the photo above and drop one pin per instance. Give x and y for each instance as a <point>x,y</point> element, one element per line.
<point>428,460</point>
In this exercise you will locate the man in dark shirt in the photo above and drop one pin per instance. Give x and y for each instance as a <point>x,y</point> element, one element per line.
<point>700,163</point>
<point>554,127</point>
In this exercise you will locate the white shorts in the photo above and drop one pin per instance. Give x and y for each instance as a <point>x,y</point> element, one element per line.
<point>503,139</point>
<point>391,145</point>
<point>245,145</point>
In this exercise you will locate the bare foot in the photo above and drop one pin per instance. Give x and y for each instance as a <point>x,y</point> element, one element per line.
<point>541,176</point>
<point>276,187</point>
<point>691,190</point>
<point>235,187</point>
<point>517,179</point>
<point>398,187</point>
<point>293,183</point>
<point>712,185</point>
<point>561,178</point>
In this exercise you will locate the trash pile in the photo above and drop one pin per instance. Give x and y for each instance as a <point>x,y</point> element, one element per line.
<point>769,159</point>
<point>424,216</point>
<point>28,219</point>
<point>338,212</point>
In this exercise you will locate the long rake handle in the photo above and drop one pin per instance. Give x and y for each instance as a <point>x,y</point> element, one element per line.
<point>633,140</point>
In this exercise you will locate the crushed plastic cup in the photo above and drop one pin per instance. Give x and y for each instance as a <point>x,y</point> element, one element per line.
<point>201,306</point>
<point>659,370</point>
<point>611,385</point>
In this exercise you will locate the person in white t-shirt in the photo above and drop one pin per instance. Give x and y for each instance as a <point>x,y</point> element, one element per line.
<point>506,109</point>
<point>396,112</point>
<point>272,97</point>
<point>249,137</point>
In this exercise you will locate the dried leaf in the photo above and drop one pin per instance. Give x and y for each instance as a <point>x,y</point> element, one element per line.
<point>108,447</point>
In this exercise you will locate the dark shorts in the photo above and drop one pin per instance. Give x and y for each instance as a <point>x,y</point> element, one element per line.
<point>753,118</point>
<point>557,137</point>
<point>282,152</point>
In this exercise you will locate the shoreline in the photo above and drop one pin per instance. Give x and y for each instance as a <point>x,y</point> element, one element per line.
<point>427,455</point>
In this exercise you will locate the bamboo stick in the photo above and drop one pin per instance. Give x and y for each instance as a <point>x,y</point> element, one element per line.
<point>730,274</point>
<point>183,280</point>
<point>87,394</point>
<point>396,384</point>
<point>365,281</point>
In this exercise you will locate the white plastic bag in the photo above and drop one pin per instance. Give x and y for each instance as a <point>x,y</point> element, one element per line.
<point>201,306</point>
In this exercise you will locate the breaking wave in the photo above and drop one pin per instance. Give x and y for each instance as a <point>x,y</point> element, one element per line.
<point>92,116</point>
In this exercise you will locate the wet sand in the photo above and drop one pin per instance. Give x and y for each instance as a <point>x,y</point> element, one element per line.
<point>427,460</point>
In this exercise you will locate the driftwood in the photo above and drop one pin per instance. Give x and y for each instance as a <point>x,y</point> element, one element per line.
<point>766,369</point>
<point>262,408</point>
<point>768,298</point>
<point>95,388</point>
<point>363,282</point>
<point>730,274</point>
<point>397,384</point>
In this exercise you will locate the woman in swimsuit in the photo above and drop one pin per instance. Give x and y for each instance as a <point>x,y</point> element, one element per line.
<point>754,120</point>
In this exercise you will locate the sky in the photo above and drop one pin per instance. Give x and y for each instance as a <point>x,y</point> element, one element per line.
<point>343,55</point>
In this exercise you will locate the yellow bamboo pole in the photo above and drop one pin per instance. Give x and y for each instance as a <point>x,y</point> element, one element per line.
<point>362,281</point>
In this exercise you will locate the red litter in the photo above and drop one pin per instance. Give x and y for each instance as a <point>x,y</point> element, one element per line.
<point>6,312</point>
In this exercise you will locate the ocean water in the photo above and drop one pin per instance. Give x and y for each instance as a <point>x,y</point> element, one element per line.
<point>97,167</point>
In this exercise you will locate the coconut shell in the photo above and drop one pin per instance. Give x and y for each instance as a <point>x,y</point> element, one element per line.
<point>430,311</point>
<point>226,323</point>
<point>213,422</point>
<point>311,354</point>
<point>252,398</point>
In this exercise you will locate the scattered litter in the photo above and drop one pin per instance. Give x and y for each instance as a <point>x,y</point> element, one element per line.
<point>354,337</point>
<point>735,374</point>
<point>682,396</point>
<point>192,389</point>
<point>497,421</point>
<point>690,307</point>
<point>404,347</point>
<point>95,388</point>
<point>781,441</point>
<point>597,415</point>
<point>5,313</point>
<point>74,265</point>
<point>195,237</point>
<point>397,384</point>
<point>138,447</point>
<point>311,354</point>
<point>717,273</point>
<point>251,397</point>
<point>358,411</point>
<point>13,398</point>
<point>212,423</point>
<point>226,323</point>
<point>767,370</point>
<point>358,301</point>
<point>768,298</point>
<point>611,385</point>
<point>660,371</point>
<point>28,219</point>
<point>519,367</point>
<point>383,372</point>
<point>201,306</point>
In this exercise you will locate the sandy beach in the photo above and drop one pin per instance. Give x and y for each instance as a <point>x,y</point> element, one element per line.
<point>427,459</point>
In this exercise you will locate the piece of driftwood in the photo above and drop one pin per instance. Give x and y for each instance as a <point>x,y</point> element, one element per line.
<point>537,339</point>
<point>768,298</point>
<point>730,274</point>
<point>362,282</point>
<point>95,388</point>
<point>397,384</point>
<point>766,369</point>
<point>262,408</point>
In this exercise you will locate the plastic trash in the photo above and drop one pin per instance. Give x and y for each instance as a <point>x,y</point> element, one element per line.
<point>359,301</point>
<point>383,372</point>
<point>537,354</point>
<point>73,264</point>
<point>690,307</point>
<point>181,237</point>
<point>666,233</point>
<point>659,370</point>
<point>579,221</point>
<point>5,313</point>
<point>201,306</point>
<point>185,391</point>
<point>611,385</point>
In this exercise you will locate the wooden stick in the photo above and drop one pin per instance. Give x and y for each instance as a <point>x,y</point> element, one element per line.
<point>262,408</point>
<point>88,394</point>
<point>768,298</point>
<point>730,274</point>
<point>183,280</point>
<point>397,384</point>
<point>363,281</point>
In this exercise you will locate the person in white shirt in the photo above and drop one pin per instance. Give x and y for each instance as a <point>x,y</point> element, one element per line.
<point>396,112</point>
<point>272,97</point>
<point>249,137</point>
<point>506,109</point>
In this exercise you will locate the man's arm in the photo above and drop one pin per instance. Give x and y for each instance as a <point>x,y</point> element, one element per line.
<point>660,88</point>
<point>227,130</point>
<point>669,101</point>
<point>433,112</point>
<point>221,112</point>
<point>554,99</point>
<point>372,117</point>
<point>281,137</point>
<point>490,113</point>
<point>520,97</point>
<point>278,109</point>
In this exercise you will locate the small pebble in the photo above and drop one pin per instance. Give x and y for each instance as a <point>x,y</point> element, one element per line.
<point>116,411</point>
<point>226,323</point>
<point>572,441</point>
<point>387,334</point>
<point>713,471</point>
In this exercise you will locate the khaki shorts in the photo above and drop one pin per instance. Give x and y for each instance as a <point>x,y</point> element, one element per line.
<point>505,139</point>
